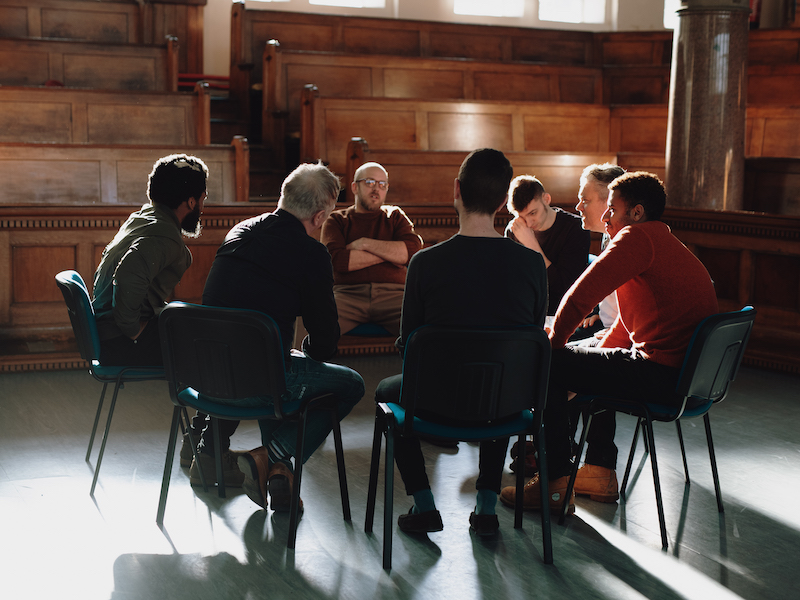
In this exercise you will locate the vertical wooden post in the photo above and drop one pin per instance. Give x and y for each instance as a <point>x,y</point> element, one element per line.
<point>242,168</point>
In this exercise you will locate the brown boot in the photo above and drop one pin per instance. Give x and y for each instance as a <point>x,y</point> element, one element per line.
<point>532,499</point>
<point>281,480</point>
<point>255,466</point>
<point>599,483</point>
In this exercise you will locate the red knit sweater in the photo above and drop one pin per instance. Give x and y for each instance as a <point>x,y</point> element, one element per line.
<point>663,291</point>
<point>389,224</point>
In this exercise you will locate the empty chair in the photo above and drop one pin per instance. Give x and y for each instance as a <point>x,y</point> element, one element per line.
<point>711,364</point>
<point>471,385</point>
<point>81,315</point>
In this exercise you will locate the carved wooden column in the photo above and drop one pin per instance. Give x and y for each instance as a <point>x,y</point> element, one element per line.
<point>707,100</point>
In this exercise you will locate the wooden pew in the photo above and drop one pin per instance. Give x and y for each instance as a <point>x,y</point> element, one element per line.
<point>422,178</point>
<point>135,67</point>
<point>252,29</point>
<point>110,22</point>
<point>36,242</point>
<point>71,116</point>
<point>397,124</point>
<point>60,174</point>
<point>285,73</point>
<point>773,131</point>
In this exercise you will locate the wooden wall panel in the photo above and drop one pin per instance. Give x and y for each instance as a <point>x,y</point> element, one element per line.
<point>532,87</point>
<point>408,83</point>
<point>386,40</point>
<point>14,21</point>
<point>34,267</point>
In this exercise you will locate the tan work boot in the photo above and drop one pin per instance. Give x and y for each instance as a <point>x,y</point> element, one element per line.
<point>532,495</point>
<point>255,467</point>
<point>599,483</point>
<point>281,480</point>
<point>233,476</point>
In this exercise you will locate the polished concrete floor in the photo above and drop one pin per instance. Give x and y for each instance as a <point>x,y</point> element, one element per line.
<point>58,542</point>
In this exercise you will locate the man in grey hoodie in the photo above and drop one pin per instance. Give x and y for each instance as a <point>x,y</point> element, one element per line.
<point>146,260</point>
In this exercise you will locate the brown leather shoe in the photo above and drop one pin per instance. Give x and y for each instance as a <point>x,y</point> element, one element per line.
<point>230,471</point>
<point>531,467</point>
<point>532,498</point>
<point>599,483</point>
<point>281,480</point>
<point>255,466</point>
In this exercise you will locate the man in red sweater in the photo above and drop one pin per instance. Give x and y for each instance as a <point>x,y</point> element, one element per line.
<point>663,292</point>
<point>370,245</point>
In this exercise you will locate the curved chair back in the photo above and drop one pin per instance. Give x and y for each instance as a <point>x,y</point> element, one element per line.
<point>474,375</point>
<point>222,353</point>
<point>714,355</point>
<point>81,314</point>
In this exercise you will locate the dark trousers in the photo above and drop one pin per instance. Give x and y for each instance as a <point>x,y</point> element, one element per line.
<point>614,372</point>
<point>144,351</point>
<point>411,463</point>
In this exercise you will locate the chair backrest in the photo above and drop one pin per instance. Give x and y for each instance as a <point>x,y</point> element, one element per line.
<point>714,354</point>
<point>81,314</point>
<point>223,353</point>
<point>474,375</point>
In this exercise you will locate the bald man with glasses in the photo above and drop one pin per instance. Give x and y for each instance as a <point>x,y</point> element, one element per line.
<point>370,245</point>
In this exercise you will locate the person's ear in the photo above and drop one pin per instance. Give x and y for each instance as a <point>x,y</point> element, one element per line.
<point>456,189</point>
<point>638,213</point>
<point>546,198</point>
<point>318,218</point>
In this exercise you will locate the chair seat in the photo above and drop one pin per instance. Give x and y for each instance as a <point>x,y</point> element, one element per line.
<point>245,408</point>
<point>111,373</point>
<point>477,433</point>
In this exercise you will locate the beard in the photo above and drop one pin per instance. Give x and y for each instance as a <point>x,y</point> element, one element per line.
<point>191,226</point>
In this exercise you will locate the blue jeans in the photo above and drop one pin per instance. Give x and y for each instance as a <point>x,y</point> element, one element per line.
<point>308,377</point>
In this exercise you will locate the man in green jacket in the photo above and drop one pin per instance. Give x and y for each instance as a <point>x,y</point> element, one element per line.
<point>146,260</point>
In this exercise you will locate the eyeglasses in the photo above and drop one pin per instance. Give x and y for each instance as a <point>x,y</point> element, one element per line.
<point>372,182</point>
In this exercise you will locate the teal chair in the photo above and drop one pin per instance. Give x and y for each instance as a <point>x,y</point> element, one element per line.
<point>491,382</point>
<point>81,315</point>
<point>217,361</point>
<point>711,364</point>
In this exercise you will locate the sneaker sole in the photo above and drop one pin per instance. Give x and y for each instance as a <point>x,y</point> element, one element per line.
<point>251,484</point>
<point>607,498</point>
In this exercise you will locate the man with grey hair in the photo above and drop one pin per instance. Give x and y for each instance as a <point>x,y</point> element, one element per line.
<point>271,263</point>
<point>370,245</point>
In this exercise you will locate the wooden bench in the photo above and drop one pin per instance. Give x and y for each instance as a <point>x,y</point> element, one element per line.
<point>396,124</point>
<point>285,73</point>
<point>98,65</point>
<point>70,116</point>
<point>425,178</point>
<point>117,22</point>
<point>252,29</point>
<point>59,174</point>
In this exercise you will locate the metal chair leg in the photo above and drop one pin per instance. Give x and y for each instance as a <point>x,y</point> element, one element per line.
<point>714,473</point>
<point>294,510</point>
<point>623,488</point>
<point>218,458</point>
<point>683,450</point>
<point>337,443</point>
<point>96,421</point>
<point>173,440</point>
<point>388,498</point>
<point>547,539</point>
<point>521,447</point>
<point>587,423</point>
<point>657,483</point>
<point>105,437</point>
<point>372,489</point>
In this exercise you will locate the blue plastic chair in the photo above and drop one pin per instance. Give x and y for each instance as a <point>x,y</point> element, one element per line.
<point>217,361</point>
<point>81,315</point>
<point>492,383</point>
<point>711,364</point>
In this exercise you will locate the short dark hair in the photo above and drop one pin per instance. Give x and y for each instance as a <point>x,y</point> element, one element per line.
<point>484,177</point>
<point>641,187</point>
<point>176,178</point>
<point>522,191</point>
